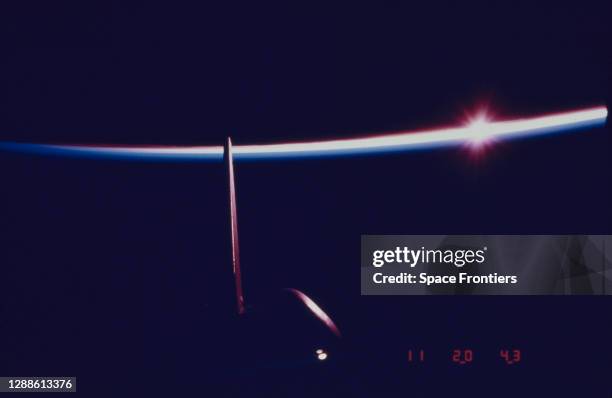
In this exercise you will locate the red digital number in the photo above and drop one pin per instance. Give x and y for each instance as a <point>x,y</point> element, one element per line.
<point>510,356</point>
<point>463,357</point>
<point>418,356</point>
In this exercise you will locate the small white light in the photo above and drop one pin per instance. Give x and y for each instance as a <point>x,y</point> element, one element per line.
<point>321,354</point>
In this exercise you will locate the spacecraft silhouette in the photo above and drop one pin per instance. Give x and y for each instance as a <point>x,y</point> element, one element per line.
<point>287,325</point>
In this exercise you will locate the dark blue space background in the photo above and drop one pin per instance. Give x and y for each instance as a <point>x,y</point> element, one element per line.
<point>109,270</point>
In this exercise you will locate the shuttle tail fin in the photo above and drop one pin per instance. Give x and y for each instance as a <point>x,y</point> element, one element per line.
<point>229,164</point>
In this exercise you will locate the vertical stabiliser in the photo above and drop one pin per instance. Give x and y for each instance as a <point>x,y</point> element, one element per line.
<point>229,165</point>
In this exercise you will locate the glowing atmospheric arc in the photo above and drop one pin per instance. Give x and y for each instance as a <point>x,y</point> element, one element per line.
<point>399,141</point>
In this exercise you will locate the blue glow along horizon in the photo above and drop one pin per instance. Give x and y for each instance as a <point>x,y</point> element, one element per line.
<point>473,135</point>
